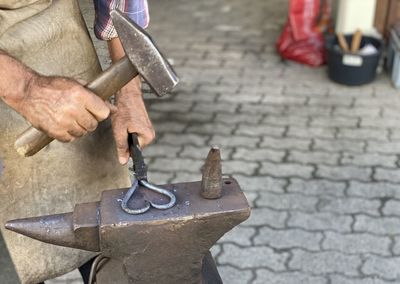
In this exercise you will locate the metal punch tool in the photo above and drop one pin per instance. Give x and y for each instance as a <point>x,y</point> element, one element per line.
<point>140,170</point>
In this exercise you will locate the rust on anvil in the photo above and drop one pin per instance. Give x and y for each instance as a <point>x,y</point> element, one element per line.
<point>160,246</point>
<point>211,182</point>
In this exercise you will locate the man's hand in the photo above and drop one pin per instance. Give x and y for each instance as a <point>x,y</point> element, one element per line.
<point>62,108</point>
<point>131,117</point>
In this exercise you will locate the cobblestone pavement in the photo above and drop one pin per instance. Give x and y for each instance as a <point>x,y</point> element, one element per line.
<point>319,162</point>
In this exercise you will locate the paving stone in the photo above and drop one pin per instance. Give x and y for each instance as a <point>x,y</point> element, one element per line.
<point>334,122</point>
<point>396,246</point>
<point>288,239</point>
<point>313,132</point>
<point>338,279</point>
<point>239,235</point>
<point>250,98</point>
<point>390,113</point>
<point>349,205</point>
<point>366,159</point>
<point>256,130</point>
<point>196,97</point>
<point>320,221</point>
<point>380,123</point>
<point>258,154</point>
<point>373,190</point>
<point>216,250</point>
<point>394,134</point>
<point>286,170</point>
<point>158,150</point>
<point>163,127</point>
<point>239,167</point>
<point>288,202</point>
<point>266,217</point>
<point>284,100</point>
<point>286,143</point>
<point>357,112</point>
<point>265,276</point>
<point>238,118</point>
<point>176,165</point>
<point>320,263</point>
<point>233,275</point>
<point>305,89</point>
<point>344,173</point>
<point>316,187</point>
<point>192,117</point>
<point>253,257</point>
<point>374,102</point>
<point>183,139</point>
<point>261,108</point>
<point>215,107</point>
<point>228,141</point>
<point>285,120</point>
<point>392,207</point>
<point>364,134</point>
<point>310,111</point>
<point>211,128</point>
<point>317,157</point>
<point>338,145</point>
<point>252,197</point>
<point>331,101</point>
<point>261,183</point>
<point>186,177</point>
<point>391,175</point>
<point>356,243</point>
<point>379,226</point>
<point>386,268</point>
<point>384,147</point>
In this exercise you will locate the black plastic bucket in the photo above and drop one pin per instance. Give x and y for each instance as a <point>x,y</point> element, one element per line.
<point>352,69</point>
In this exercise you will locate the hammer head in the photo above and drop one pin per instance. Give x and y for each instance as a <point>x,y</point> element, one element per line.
<point>144,54</point>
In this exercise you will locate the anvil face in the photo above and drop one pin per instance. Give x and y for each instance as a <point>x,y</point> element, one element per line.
<point>171,243</point>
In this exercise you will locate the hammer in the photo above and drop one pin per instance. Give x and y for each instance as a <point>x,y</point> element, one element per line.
<point>142,57</point>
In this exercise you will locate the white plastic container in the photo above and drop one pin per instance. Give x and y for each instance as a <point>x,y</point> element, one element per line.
<point>356,14</point>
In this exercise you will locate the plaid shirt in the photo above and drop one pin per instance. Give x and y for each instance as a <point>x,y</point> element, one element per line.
<point>137,10</point>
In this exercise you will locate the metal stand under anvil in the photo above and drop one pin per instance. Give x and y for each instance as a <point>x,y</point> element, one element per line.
<point>165,247</point>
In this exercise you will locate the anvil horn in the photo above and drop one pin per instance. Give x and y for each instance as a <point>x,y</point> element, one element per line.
<point>74,230</point>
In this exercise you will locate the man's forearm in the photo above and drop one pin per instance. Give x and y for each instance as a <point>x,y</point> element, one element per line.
<point>15,79</point>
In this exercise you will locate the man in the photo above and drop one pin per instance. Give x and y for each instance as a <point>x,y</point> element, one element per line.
<point>41,41</point>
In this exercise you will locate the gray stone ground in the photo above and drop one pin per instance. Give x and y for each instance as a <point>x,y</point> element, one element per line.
<point>319,162</point>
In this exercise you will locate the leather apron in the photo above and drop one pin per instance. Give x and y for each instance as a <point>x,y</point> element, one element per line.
<point>51,38</point>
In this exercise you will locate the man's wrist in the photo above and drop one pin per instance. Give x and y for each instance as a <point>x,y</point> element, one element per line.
<point>16,83</point>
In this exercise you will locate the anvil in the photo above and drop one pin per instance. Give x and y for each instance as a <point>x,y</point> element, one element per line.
<point>165,247</point>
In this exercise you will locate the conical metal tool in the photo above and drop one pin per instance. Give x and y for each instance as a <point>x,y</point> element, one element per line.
<point>211,182</point>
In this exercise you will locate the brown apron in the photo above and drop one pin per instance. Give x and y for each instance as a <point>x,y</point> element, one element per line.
<point>51,38</point>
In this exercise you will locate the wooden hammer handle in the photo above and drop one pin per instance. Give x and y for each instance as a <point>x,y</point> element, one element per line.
<point>356,41</point>
<point>342,42</point>
<point>104,85</point>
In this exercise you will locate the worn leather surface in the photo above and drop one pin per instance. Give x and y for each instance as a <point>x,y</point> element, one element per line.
<point>53,42</point>
<point>15,11</point>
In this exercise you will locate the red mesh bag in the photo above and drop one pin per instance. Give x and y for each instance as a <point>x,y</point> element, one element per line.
<point>302,37</point>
